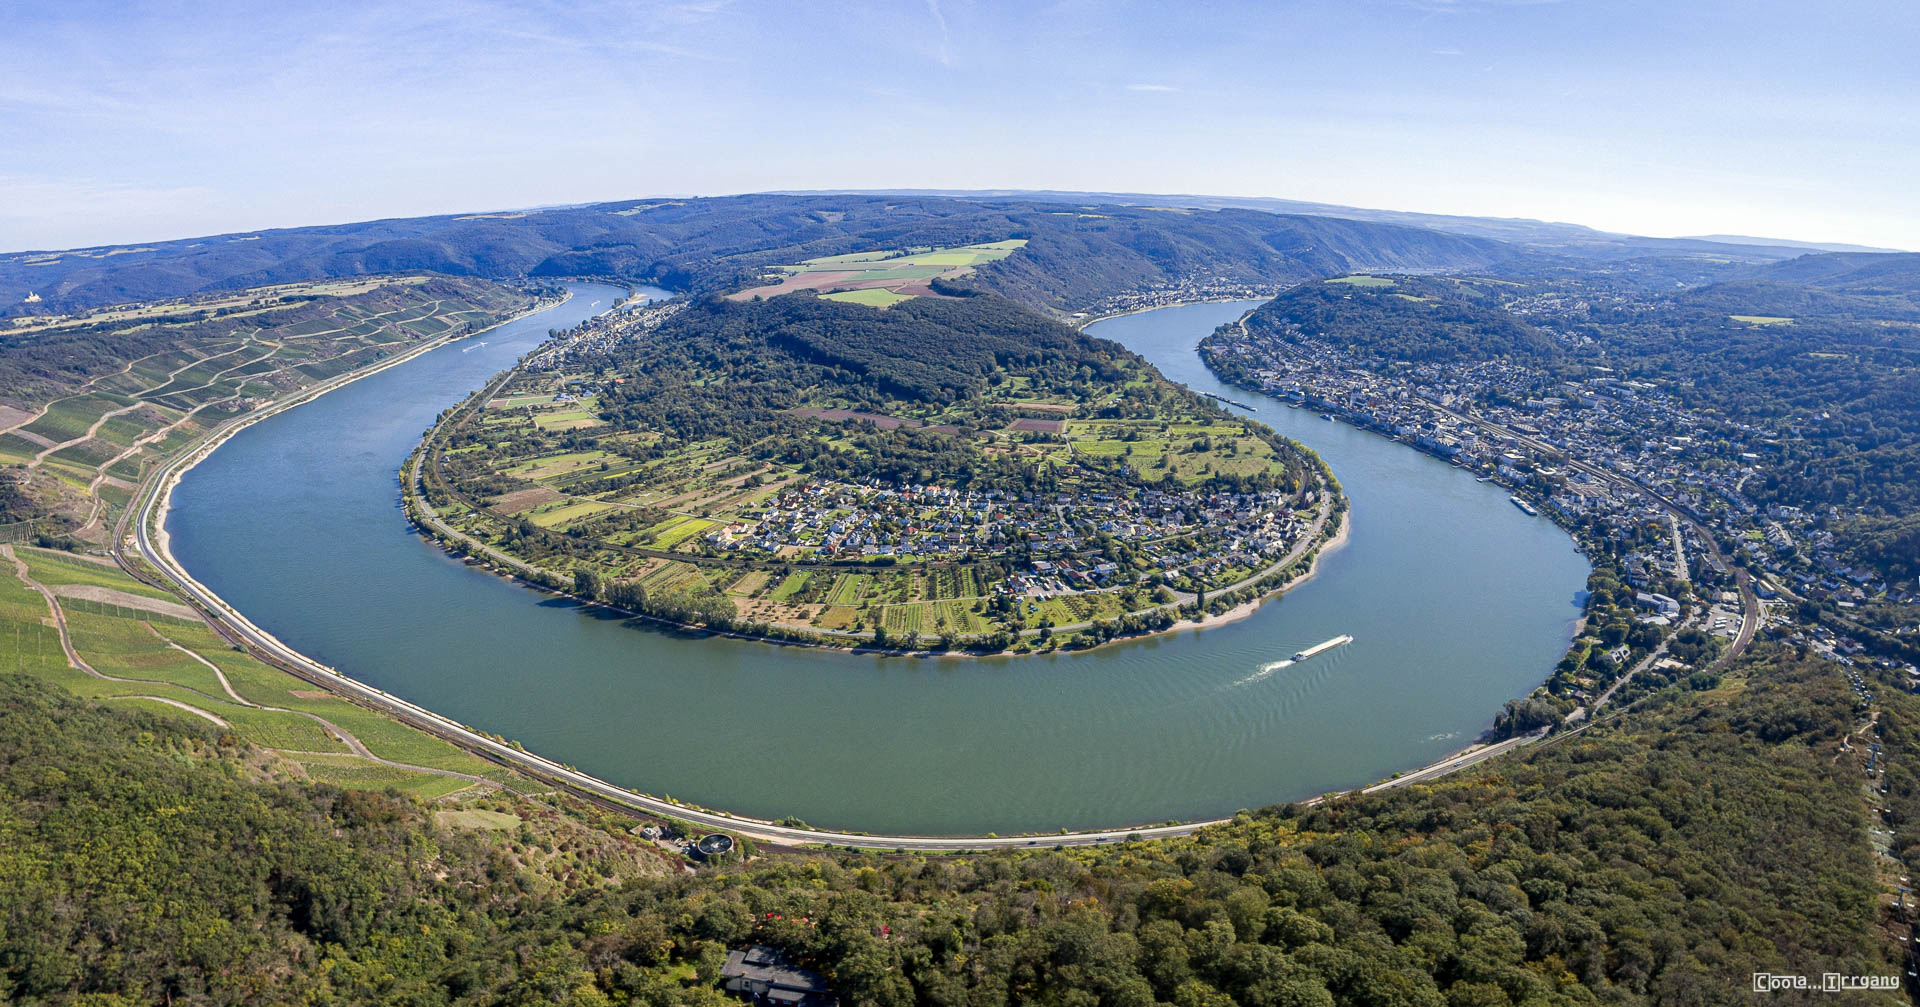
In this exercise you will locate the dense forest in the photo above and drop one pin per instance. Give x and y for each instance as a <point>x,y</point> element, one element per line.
<point>1413,319</point>
<point>1658,859</point>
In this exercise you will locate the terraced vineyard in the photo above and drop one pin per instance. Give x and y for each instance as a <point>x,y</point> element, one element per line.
<point>92,403</point>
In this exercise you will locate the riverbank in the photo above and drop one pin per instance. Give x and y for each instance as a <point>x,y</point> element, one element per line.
<point>1088,322</point>
<point>430,526</point>
<point>1247,608</point>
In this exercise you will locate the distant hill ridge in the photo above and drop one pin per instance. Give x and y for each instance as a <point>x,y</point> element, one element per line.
<point>1083,246</point>
<point>1072,258</point>
<point>1573,238</point>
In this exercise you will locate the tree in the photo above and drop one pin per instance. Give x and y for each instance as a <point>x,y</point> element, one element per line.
<point>586,582</point>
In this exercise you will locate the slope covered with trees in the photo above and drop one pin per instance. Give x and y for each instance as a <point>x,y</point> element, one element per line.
<point>1659,859</point>
<point>1407,318</point>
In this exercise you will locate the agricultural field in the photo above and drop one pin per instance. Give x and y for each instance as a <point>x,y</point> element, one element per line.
<point>873,297</point>
<point>880,279</point>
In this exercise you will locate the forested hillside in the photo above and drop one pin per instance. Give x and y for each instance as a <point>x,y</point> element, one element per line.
<point>1073,256</point>
<point>1659,859</point>
<point>1414,319</point>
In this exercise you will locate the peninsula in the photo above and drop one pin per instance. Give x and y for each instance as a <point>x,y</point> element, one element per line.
<point>923,471</point>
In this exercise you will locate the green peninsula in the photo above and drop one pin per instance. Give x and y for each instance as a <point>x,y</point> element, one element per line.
<point>946,472</point>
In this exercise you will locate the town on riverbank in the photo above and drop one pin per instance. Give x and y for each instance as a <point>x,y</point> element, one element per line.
<point>1689,567</point>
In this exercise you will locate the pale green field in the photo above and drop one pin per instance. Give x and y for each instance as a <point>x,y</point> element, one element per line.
<point>555,465</point>
<point>876,297</point>
<point>566,419</point>
<point>119,642</point>
<point>1363,281</point>
<point>556,516</point>
<point>1761,319</point>
<point>686,529</point>
<point>898,267</point>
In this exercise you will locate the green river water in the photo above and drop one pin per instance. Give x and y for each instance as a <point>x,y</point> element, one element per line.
<point>1456,601</point>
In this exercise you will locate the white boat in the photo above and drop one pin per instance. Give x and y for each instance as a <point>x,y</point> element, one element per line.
<point>1321,648</point>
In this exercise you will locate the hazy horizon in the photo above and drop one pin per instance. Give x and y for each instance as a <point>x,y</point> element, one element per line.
<point>163,122</point>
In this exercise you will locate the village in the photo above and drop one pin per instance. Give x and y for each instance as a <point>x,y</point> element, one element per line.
<point>1619,462</point>
<point>1062,542</point>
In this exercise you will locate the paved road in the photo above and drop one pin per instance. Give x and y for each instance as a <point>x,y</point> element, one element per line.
<point>1456,763</point>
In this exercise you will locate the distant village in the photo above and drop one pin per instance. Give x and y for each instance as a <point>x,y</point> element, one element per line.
<point>601,332</point>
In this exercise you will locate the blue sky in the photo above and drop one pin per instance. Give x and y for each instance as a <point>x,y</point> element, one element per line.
<point>127,122</point>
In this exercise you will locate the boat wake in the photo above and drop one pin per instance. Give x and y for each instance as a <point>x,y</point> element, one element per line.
<point>1265,670</point>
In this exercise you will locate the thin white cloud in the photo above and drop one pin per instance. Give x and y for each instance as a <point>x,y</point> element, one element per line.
<point>1447,52</point>
<point>1151,87</point>
<point>944,55</point>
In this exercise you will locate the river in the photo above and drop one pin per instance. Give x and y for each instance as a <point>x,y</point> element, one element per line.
<point>1456,601</point>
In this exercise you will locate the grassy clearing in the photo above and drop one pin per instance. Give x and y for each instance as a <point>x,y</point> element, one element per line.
<point>876,297</point>
<point>793,584</point>
<point>553,465</point>
<point>52,569</point>
<point>672,577</point>
<point>749,585</point>
<point>889,269</point>
<point>1761,319</point>
<point>682,531</point>
<point>1361,280</point>
<point>566,419</point>
<point>274,729</point>
<point>555,515</point>
<point>847,589</point>
<point>477,818</point>
<point>124,648</point>
<point>351,773</point>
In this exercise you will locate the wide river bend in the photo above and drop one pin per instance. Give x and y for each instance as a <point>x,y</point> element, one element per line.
<point>1456,601</point>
